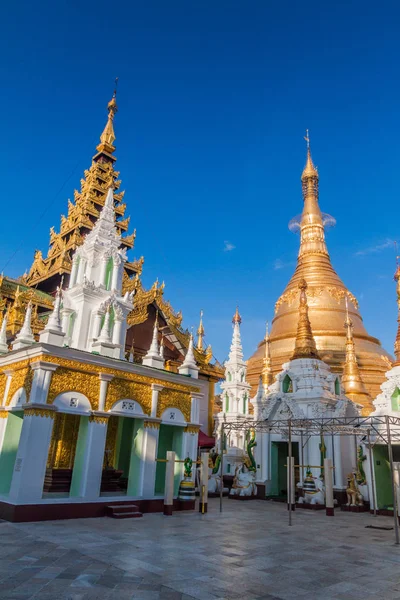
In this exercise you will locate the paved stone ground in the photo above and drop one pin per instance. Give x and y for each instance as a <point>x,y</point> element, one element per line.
<point>247,552</point>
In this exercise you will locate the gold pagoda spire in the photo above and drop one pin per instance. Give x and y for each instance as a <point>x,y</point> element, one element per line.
<point>200,333</point>
<point>236,317</point>
<point>312,234</point>
<point>107,138</point>
<point>266,374</point>
<point>352,383</point>
<point>305,344</point>
<point>397,342</point>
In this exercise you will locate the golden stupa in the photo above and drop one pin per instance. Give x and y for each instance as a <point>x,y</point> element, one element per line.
<point>326,295</point>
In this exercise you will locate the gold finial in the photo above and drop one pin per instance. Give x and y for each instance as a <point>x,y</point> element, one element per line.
<point>236,317</point>
<point>107,138</point>
<point>352,383</point>
<point>266,374</point>
<point>310,171</point>
<point>200,333</point>
<point>305,346</point>
<point>307,138</point>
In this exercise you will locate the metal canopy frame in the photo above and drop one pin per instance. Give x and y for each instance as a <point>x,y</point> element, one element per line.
<point>384,429</point>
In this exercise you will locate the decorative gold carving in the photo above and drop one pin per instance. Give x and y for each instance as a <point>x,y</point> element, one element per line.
<point>20,378</point>
<point>83,212</point>
<point>3,414</point>
<point>338,293</point>
<point>74,365</point>
<point>3,381</point>
<point>151,425</point>
<point>63,441</point>
<point>111,440</point>
<point>66,379</point>
<point>172,399</point>
<point>39,412</point>
<point>119,389</point>
<point>101,420</point>
<point>192,429</point>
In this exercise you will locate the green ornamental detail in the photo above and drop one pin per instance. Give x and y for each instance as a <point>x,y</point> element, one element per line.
<point>251,443</point>
<point>187,467</point>
<point>361,478</point>
<point>322,449</point>
<point>216,459</point>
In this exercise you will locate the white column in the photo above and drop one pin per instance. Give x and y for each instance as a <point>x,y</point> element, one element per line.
<point>103,271</point>
<point>151,434</point>
<point>3,423</point>
<point>328,478</point>
<point>97,324</point>
<point>203,505</point>
<point>195,407</point>
<point>42,374</point>
<point>169,483</point>
<point>74,272</point>
<point>33,449</point>
<point>105,379</point>
<point>66,314</point>
<point>81,270</point>
<point>115,275</point>
<point>116,336</point>
<point>89,457</point>
<point>155,389</point>
<point>337,442</point>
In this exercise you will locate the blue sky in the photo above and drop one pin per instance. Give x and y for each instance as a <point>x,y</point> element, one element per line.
<point>214,98</point>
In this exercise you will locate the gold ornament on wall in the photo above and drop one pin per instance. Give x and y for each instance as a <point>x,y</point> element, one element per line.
<point>172,399</point>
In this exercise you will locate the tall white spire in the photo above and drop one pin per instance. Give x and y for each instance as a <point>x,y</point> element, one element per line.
<point>3,335</point>
<point>236,390</point>
<point>236,352</point>
<point>25,336</point>
<point>53,333</point>
<point>54,322</point>
<point>189,366</point>
<point>153,358</point>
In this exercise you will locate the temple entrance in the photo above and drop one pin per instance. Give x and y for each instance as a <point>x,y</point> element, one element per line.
<point>122,453</point>
<point>171,438</point>
<point>384,495</point>
<point>279,453</point>
<point>9,451</point>
<point>62,451</point>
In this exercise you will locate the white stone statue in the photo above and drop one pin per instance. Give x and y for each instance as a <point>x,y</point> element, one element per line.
<point>244,482</point>
<point>314,490</point>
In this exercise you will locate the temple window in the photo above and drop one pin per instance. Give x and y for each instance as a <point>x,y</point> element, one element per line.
<point>396,400</point>
<point>229,376</point>
<point>337,386</point>
<point>242,376</point>
<point>287,385</point>
<point>226,403</point>
<point>245,403</point>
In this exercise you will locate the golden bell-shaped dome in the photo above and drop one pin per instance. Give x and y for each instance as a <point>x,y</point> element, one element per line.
<point>326,296</point>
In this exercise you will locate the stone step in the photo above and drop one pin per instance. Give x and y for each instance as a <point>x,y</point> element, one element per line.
<point>123,511</point>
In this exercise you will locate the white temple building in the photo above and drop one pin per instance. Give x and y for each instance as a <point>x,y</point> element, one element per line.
<point>81,427</point>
